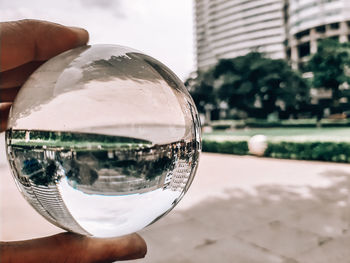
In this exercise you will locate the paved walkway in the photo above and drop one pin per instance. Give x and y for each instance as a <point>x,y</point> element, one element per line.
<point>239,209</point>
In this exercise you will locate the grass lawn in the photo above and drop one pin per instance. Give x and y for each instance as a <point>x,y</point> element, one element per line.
<point>283,134</point>
<point>69,140</point>
<point>77,145</point>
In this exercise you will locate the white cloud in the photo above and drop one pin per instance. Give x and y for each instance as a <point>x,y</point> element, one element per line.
<point>162,29</point>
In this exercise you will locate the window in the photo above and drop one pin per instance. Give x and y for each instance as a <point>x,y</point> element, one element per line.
<point>302,34</point>
<point>334,26</point>
<point>304,50</point>
<point>321,29</point>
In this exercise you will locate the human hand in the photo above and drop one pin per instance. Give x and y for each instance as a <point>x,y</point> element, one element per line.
<point>24,46</point>
<point>72,248</point>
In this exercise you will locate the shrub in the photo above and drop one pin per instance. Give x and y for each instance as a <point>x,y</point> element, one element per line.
<point>231,147</point>
<point>320,151</point>
<point>262,123</point>
<point>221,126</point>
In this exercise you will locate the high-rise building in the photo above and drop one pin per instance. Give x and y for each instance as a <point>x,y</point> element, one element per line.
<point>312,20</point>
<point>280,28</point>
<point>230,28</point>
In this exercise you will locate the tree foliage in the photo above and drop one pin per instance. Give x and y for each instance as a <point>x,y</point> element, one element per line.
<point>252,83</point>
<point>201,87</point>
<point>330,66</point>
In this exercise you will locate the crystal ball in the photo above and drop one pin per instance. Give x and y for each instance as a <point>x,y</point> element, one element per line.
<point>103,140</point>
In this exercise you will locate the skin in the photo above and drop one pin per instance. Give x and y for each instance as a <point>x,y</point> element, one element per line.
<point>24,46</point>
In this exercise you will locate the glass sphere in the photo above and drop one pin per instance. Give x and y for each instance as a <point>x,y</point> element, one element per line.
<point>103,140</point>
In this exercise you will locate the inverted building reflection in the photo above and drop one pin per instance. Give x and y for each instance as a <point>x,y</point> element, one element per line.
<point>131,168</point>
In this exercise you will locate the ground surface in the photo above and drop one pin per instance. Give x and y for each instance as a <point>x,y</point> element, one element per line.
<point>239,209</point>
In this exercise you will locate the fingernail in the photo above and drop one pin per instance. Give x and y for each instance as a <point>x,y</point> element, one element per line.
<point>82,35</point>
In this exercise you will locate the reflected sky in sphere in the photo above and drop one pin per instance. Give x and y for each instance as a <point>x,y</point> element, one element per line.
<point>103,140</point>
<point>73,82</point>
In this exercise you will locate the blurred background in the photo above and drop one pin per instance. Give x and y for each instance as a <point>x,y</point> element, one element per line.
<point>162,29</point>
<point>270,79</point>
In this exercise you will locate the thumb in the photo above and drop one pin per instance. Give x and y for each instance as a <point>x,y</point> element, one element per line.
<point>69,248</point>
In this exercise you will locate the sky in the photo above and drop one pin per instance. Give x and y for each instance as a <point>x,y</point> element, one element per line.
<point>162,29</point>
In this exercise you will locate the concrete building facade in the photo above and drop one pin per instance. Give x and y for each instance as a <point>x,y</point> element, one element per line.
<point>312,20</point>
<point>287,29</point>
<point>230,28</point>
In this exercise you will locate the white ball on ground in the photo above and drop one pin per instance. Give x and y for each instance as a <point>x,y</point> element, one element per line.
<point>257,144</point>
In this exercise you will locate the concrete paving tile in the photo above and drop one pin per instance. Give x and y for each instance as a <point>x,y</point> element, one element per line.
<point>234,250</point>
<point>226,250</point>
<point>190,232</point>
<point>327,220</point>
<point>282,239</point>
<point>332,195</point>
<point>272,202</point>
<point>334,251</point>
<point>218,172</point>
<point>174,217</point>
<point>172,240</point>
<point>221,214</point>
<point>275,210</point>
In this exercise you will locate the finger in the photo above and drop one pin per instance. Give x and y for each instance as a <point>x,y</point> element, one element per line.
<point>33,40</point>
<point>4,112</point>
<point>129,247</point>
<point>17,76</point>
<point>69,248</point>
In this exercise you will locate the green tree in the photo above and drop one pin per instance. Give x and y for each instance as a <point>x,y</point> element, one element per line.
<point>201,88</point>
<point>330,66</point>
<point>254,82</point>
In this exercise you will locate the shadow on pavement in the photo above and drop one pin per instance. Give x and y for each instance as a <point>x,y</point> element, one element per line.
<point>267,223</point>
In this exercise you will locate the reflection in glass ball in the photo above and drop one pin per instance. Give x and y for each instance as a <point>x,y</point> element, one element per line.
<point>103,140</point>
